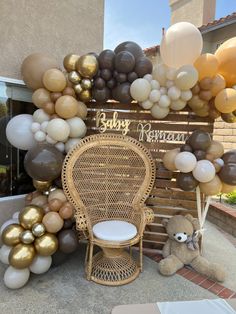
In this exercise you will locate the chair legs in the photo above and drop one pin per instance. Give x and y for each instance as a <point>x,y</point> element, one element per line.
<point>90,260</point>
<point>141,254</point>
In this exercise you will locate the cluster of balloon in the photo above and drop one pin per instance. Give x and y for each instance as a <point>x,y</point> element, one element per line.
<point>59,117</point>
<point>202,163</point>
<point>169,86</point>
<point>117,70</point>
<point>33,236</point>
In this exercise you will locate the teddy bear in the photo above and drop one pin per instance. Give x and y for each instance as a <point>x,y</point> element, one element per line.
<point>182,249</point>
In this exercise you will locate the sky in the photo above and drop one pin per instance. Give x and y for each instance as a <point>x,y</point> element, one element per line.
<point>142,20</point>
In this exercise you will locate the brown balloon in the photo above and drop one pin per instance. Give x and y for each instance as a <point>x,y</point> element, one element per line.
<point>99,83</point>
<point>69,91</point>
<point>68,241</point>
<point>49,108</point>
<point>186,148</point>
<point>55,204</point>
<point>111,83</point>
<point>106,74</point>
<point>68,223</point>
<point>230,156</point>
<point>124,61</point>
<point>121,77</point>
<point>195,89</point>
<point>106,59</point>
<point>143,66</point>
<point>200,154</point>
<point>229,117</point>
<point>101,94</point>
<point>199,140</point>
<point>227,174</point>
<point>55,96</point>
<point>132,76</point>
<point>122,93</point>
<point>186,181</point>
<point>206,83</point>
<point>132,47</point>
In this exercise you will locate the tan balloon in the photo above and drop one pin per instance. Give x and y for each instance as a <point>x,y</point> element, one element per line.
<point>216,149</point>
<point>196,103</point>
<point>225,100</point>
<point>55,204</point>
<point>82,110</point>
<point>11,234</point>
<point>69,62</point>
<point>30,215</point>
<point>33,68</point>
<point>87,66</point>
<point>66,107</point>
<point>66,211</point>
<point>212,187</point>
<point>203,112</point>
<point>40,97</point>
<point>226,188</point>
<point>55,96</point>
<point>59,194</point>
<point>206,65</point>
<point>218,83</point>
<point>205,95</point>
<point>169,159</point>
<point>54,80</point>
<point>69,91</point>
<point>53,222</point>
<point>46,245</point>
<point>49,108</point>
<point>39,200</point>
<point>21,256</point>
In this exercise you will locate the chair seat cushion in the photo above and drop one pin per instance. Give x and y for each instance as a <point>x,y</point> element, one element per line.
<point>114,230</point>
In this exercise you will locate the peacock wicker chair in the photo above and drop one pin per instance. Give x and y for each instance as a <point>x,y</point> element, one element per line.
<point>108,177</point>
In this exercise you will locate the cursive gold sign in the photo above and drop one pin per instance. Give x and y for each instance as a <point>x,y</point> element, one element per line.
<point>104,124</point>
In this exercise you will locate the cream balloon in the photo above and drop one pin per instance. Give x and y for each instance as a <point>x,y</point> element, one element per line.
<point>71,143</point>
<point>186,95</point>
<point>155,84</point>
<point>40,264</point>
<point>159,112</point>
<point>204,171</point>
<point>148,77</point>
<point>186,77</point>
<point>60,146</point>
<point>4,254</point>
<point>171,73</point>
<point>169,159</point>
<point>50,140</point>
<point>58,129</point>
<point>43,126</point>
<point>147,104</point>
<point>35,127</point>
<point>16,278</point>
<point>159,73</point>
<point>174,93</point>
<point>164,101</point>
<point>181,44</point>
<point>77,127</point>
<point>178,104</point>
<point>58,193</point>
<point>140,89</point>
<point>154,95</point>
<point>185,162</point>
<point>40,136</point>
<point>40,116</point>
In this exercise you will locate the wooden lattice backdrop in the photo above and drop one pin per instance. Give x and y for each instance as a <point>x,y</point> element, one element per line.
<point>166,199</point>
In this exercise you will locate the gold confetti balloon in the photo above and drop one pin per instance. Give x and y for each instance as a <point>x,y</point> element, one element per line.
<point>86,84</point>
<point>85,96</point>
<point>22,255</point>
<point>30,215</point>
<point>70,61</point>
<point>11,234</point>
<point>74,77</point>
<point>27,237</point>
<point>78,88</point>
<point>87,66</point>
<point>38,229</point>
<point>46,245</point>
<point>42,186</point>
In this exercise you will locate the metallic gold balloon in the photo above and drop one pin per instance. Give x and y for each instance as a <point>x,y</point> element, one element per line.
<point>11,234</point>
<point>46,245</point>
<point>87,66</point>
<point>78,88</point>
<point>74,77</point>
<point>85,96</point>
<point>229,117</point>
<point>38,230</point>
<point>42,186</point>
<point>86,84</point>
<point>22,255</point>
<point>30,215</point>
<point>69,62</point>
<point>27,237</point>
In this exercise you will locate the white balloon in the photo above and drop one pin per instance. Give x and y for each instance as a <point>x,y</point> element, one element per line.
<point>35,127</point>
<point>171,74</point>
<point>16,215</point>
<point>18,132</point>
<point>140,89</point>
<point>178,104</point>
<point>16,278</point>
<point>174,92</point>
<point>77,127</point>
<point>204,171</point>
<point>159,112</point>
<point>4,254</point>
<point>60,146</point>
<point>169,83</point>
<point>159,73</point>
<point>181,44</point>
<point>148,77</point>
<point>163,90</point>
<point>7,223</point>
<point>40,116</point>
<point>50,140</point>
<point>154,95</point>
<point>147,104</point>
<point>186,77</point>
<point>164,101</point>
<point>155,84</point>
<point>186,95</point>
<point>71,143</point>
<point>40,136</point>
<point>40,264</point>
<point>58,129</point>
<point>185,162</point>
<point>43,126</point>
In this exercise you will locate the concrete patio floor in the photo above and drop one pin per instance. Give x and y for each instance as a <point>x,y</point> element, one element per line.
<point>65,290</point>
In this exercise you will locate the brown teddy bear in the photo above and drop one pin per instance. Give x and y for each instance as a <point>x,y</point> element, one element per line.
<point>182,249</point>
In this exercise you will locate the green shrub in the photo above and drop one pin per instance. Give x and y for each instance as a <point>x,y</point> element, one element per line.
<point>231,197</point>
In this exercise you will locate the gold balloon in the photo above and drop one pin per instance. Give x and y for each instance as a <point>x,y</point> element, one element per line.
<point>42,186</point>
<point>206,65</point>
<point>69,62</point>
<point>216,149</point>
<point>85,96</point>
<point>54,80</point>
<point>225,100</point>
<point>86,84</point>
<point>78,88</point>
<point>30,215</point>
<point>38,230</point>
<point>228,188</point>
<point>229,117</point>
<point>22,255</point>
<point>27,237</point>
<point>87,66</point>
<point>11,234</point>
<point>212,187</point>
<point>74,77</point>
<point>46,245</point>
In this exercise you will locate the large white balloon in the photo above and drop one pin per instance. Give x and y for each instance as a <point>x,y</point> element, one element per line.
<point>185,162</point>
<point>140,89</point>
<point>181,44</point>
<point>186,77</point>
<point>40,116</point>
<point>18,132</point>
<point>204,171</point>
<point>77,127</point>
<point>16,278</point>
<point>40,264</point>
<point>58,129</point>
<point>7,223</point>
<point>4,254</point>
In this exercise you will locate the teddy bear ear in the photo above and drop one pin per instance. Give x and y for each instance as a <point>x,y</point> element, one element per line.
<point>194,221</point>
<point>165,222</point>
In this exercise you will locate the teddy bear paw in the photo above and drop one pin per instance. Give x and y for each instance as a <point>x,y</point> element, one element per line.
<point>166,267</point>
